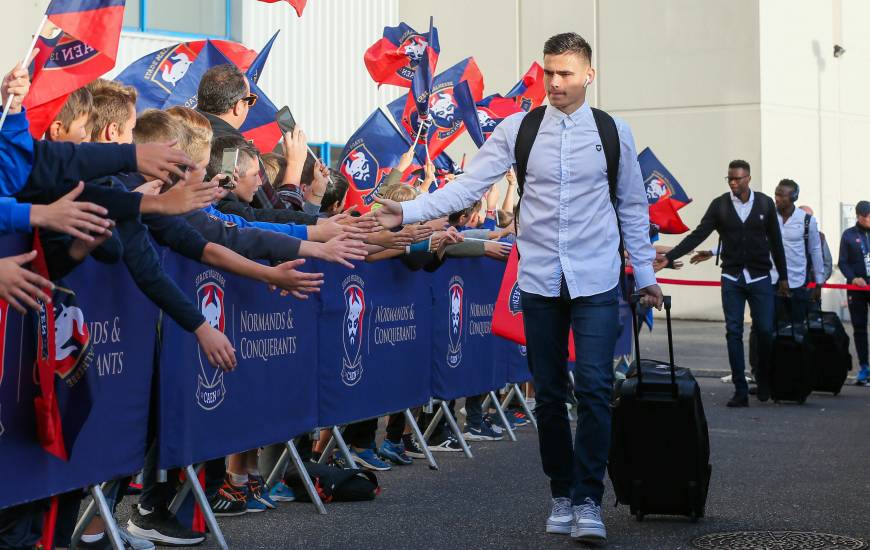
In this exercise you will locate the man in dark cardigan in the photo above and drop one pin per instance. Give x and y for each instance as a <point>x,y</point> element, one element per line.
<point>749,236</point>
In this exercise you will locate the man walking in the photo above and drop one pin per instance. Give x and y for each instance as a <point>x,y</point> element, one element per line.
<point>749,232</point>
<point>569,226</point>
<point>854,264</point>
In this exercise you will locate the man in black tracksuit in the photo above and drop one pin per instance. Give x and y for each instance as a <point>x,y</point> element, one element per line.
<point>750,236</point>
<point>854,264</point>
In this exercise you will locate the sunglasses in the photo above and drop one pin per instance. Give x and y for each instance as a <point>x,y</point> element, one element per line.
<point>250,99</point>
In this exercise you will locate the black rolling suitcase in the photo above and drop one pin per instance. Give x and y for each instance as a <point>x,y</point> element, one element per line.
<point>827,346</point>
<point>660,448</point>
<point>790,375</point>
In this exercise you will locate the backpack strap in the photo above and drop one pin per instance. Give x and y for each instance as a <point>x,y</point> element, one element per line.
<point>807,248</point>
<point>610,142</point>
<point>525,139</point>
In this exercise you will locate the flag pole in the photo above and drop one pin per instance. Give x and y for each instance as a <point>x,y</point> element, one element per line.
<point>23,61</point>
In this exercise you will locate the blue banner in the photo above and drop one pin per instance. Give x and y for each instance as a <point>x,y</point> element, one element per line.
<point>375,336</point>
<point>270,397</point>
<point>111,443</point>
<point>463,348</point>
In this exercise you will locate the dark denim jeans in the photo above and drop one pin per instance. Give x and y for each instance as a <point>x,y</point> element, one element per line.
<point>760,296</point>
<point>859,302</point>
<point>577,469</point>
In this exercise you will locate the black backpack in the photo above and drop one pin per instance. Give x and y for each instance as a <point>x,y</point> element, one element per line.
<point>335,484</point>
<point>609,141</point>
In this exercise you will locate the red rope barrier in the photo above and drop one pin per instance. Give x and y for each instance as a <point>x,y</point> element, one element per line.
<point>694,282</point>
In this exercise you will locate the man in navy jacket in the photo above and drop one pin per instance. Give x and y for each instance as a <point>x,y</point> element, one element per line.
<point>854,264</point>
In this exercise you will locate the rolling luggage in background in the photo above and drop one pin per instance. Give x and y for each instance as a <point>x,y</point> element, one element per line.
<point>827,346</point>
<point>660,449</point>
<point>790,374</point>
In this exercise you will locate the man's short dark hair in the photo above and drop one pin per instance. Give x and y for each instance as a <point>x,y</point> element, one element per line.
<point>228,142</point>
<point>789,183</point>
<point>568,42</point>
<point>220,89</point>
<point>739,164</point>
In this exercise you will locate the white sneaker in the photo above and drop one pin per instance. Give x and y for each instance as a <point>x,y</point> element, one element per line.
<point>134,542</point>
<point>588,526</point>
<point>561,517</point>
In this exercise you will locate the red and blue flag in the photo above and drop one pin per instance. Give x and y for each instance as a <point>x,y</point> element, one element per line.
<point>664,194</point>
<point>483,116</point>
<point>394,58</point>
<point>446,123</point>
<point>80,43</point>
<point>371,152</point>
<point>529,92</point>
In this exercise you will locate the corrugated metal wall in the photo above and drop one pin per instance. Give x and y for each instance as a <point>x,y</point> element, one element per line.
<point>316,66</point>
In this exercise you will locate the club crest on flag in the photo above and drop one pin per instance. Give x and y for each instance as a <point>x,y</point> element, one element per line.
<point>170,66</point>
<point>352,329</point>
<point>69,52</point>
<point>456,295</point>
<point>71,337</point>
<point>522,349</point>
<point>486,120</point>
<point>657,186</point>
<point>413,46</point>
<point>361,167</point>
<point>515,305</point>
<point>210,389</point>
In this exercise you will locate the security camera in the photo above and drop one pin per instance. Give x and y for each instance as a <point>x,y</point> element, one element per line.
<point>839,50</point>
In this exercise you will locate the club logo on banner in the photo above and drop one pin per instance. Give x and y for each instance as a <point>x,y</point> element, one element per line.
<point>414,46</point>
<point>210,389</point>
<point>361,167</point>
<point>352,333</point>
<point>4,312</point>
<point>170,66</point>
<point>71,338</point>
<point>657,186</point>
<point>456,293</point>
<point>486,120</point>
<point>515,304</point>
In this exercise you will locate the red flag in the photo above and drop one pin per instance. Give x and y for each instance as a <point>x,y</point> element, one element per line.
<point>664,214</point>
<point>507,317</point>
<point>394,58</point>
<point>529,92</point>
<point>298,5</point>
<point>83,37</point>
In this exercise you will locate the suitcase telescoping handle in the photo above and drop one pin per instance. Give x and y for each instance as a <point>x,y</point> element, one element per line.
<point>635,326</point>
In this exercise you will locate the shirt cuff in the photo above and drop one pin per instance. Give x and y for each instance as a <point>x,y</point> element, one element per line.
<point>303,232</point>
<point>644,276</point>
<point>128,152</point>
<point>16,122</point>
<point>21,217</point>
<point>411,212</point>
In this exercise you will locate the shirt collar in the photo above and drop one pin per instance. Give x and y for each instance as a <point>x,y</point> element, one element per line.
<point>736,200</point>
<point>581,114</point>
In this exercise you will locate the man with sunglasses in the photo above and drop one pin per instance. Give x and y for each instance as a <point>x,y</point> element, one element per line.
<point>749,237</point>
<point>224,96</point>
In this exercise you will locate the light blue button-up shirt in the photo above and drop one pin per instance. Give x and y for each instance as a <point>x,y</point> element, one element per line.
<point>567,221</point>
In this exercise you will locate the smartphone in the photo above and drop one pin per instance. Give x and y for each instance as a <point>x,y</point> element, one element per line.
<point>230,161</point>
<point>285,120</point>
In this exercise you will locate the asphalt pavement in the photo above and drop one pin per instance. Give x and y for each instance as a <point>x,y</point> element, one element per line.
<point>775,468</point>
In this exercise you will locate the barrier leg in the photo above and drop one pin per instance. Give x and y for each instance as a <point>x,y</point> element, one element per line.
<point>456,431</point>
<point>85,520</point>
<point>306,479</point>
<point>327,451</point>
<point>182,493</point>
<point>278,471</point>
<point>108,519</point>
<point>409,418</point>
<point>507,425</point>
<point>199,495</point>
<point>431,427</point>
<point>525,405</point>
<point>336,434</point>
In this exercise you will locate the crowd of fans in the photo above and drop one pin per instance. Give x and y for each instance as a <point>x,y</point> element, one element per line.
<point>106,179</point>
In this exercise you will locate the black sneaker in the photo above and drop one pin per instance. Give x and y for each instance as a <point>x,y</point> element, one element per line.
<point>445,445</point>
<point>161,527</point>
<point>411,448</point>
<point>229,501</point>
<point>738,401</point>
